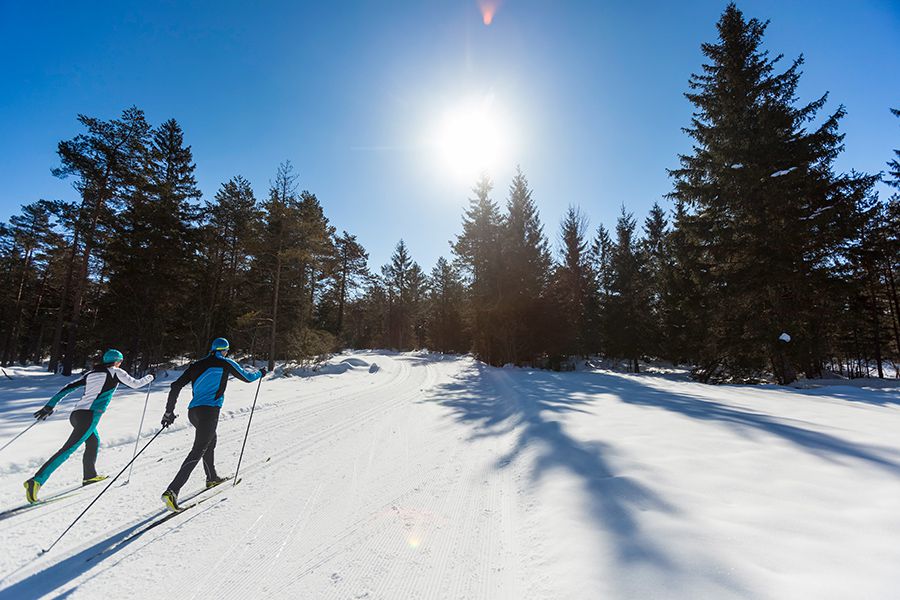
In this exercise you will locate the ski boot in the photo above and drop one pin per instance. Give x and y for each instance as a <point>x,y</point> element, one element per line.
<point>170,499</point>
<point>31,490</point>
<point>211,483</point>
<point>91,480</point>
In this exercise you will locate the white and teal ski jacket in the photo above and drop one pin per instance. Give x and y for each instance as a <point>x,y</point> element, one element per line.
<point>100,383</point>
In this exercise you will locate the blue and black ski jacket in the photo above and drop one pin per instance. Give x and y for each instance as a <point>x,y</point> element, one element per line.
<point>208,378</point>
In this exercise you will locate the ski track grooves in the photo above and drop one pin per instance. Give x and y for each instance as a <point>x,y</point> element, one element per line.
<point>431,514</point>
<point>254,567</point>
<point>304,412</point>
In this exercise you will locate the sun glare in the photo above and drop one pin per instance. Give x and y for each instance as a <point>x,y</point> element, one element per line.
<point>471,139</point>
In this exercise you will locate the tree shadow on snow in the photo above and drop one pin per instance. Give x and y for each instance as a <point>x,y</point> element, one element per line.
<point>631,390</point>
<point>497,403</point>
<point>489,399</point>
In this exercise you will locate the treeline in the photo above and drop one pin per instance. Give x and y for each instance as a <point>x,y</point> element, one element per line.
<point>140,264</point>
<point>770,262</point>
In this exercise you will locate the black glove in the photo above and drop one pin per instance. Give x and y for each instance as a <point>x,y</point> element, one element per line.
<point>262,372</point>
<point>42,414</point>
<point>168,419</point>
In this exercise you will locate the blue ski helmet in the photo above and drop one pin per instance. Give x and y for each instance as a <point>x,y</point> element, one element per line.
<point>111,356</point>
<point>219,344</point>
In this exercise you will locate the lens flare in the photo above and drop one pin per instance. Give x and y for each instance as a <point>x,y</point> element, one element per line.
<point>488,10</point>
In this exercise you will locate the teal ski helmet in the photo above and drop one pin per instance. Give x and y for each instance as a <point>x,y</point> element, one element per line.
<point>111,356</point>
<point>219,345</point>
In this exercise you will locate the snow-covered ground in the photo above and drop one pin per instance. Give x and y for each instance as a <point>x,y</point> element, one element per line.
<point>438,477</point>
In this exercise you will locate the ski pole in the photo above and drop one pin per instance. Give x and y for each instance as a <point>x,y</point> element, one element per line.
<point>247,433</point>
<point>109,485</point>
<point>18,436</point>
<point>140,428</point>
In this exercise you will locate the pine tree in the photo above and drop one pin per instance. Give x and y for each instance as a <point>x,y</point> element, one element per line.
<point>150,251</point>
<point>28,236</point>
<point>405,285</point>
<point>230,225</point>
<point>445,312</point>
<point>349,273</point>
<point>574,287</point>
<point>526,274</point>
<point>600,255</point>
<point>277,252</point>
<point>656,261</point>
<point>478,254</point>
<point>104,161</point>
<point>766,216</point>
<point>628,304</point>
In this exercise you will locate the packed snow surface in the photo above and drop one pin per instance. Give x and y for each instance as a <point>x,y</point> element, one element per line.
<point>437,477</point>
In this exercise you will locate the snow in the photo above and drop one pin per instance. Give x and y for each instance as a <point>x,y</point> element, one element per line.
<point>785,337</point>
<point>438,477</point>
<point>784,172</point>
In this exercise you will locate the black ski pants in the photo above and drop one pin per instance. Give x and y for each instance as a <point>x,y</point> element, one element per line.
<point>204,419</point>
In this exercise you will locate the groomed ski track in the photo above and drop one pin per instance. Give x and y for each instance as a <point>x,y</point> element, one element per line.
<point>344,493</point>
<point>434,477</point>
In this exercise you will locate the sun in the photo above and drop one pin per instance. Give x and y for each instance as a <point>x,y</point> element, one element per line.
<point>471,139</point>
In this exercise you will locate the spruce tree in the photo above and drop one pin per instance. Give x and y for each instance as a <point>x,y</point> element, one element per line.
<point>656,260</point>
<point>404,283</point>
<point>628,305</point>
<point>765,214</point>
<point>445,310</point>
<point>526,274</point>
<point>150,251</point>
<point>574,287</point>
<point>478,254</point>
<point>601,252</point>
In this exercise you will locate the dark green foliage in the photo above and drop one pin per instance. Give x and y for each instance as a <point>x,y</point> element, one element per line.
<point>446,295</point>
<point>405,286</point>
<point>765,220</point>
<point>575,293</point>
<point>765,237</point>
<point>478,253</point>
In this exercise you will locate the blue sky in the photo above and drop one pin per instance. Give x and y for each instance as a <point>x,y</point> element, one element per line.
<point>590,94</point>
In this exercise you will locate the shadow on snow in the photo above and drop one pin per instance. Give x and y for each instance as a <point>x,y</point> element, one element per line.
<point>524,403</point>
<point>487,398</point>
<point>57,575</point>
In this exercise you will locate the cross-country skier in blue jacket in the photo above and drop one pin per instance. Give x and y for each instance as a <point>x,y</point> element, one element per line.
<point>99,385</point>
<point>208,378</point>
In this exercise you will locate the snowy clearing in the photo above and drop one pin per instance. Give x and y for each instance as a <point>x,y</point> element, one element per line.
<point>395,476</point>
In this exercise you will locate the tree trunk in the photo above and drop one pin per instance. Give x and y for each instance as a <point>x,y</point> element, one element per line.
<point>274,312</point>
<point>56,345</point>
<point>80,285</point>
<point>894,303</point>
<point>876,330</point>
<point>342,297</point>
